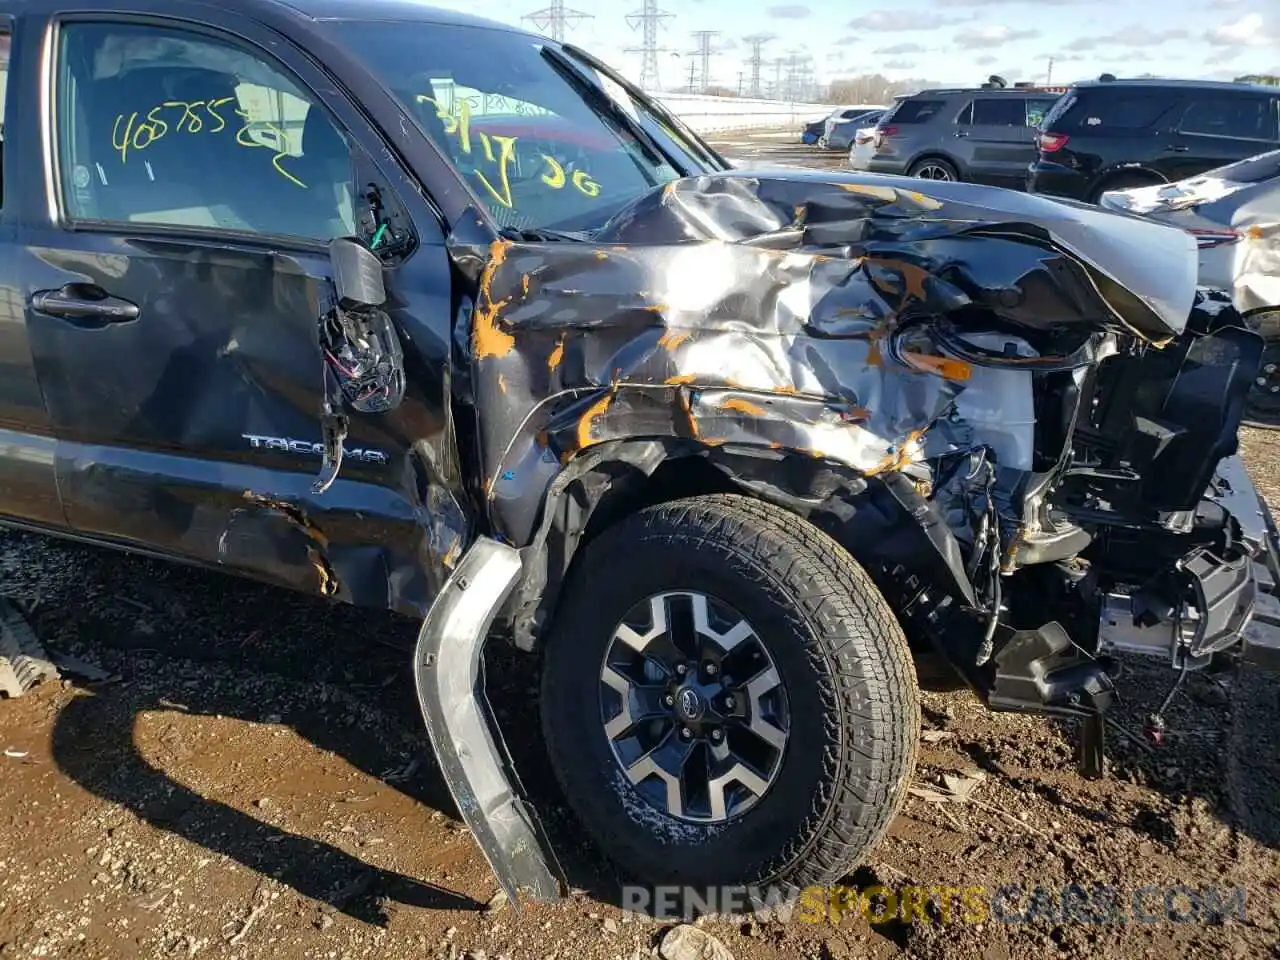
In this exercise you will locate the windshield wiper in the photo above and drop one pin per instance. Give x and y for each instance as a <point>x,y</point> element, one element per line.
<point>539,234</point>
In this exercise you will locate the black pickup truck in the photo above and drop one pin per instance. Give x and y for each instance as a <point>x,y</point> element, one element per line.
<point>420,312</point>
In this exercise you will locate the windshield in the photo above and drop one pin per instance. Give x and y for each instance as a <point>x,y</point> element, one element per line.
<point>538,149</point>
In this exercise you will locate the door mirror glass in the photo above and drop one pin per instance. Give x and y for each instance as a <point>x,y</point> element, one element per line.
<point>357,274</point>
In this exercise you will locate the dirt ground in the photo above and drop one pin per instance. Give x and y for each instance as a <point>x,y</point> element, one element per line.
<point>251,781</point>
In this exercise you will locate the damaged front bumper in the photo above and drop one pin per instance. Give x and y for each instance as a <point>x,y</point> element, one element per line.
<point>448,673</point>
<point>1234,609</point>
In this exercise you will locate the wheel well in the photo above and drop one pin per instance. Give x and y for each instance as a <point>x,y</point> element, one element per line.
<point>935,155</point>
<point>674,479</point>
<point>1129,173</point>
<point>594,500</point>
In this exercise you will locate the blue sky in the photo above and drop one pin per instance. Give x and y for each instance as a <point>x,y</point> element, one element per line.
<point>950,41</point>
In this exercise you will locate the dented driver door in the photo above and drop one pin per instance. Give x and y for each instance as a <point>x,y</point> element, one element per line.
<point>176,302</point>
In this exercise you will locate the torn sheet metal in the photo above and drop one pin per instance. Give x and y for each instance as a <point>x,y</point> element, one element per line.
<point>734,309</point>
<point>1243,197</point>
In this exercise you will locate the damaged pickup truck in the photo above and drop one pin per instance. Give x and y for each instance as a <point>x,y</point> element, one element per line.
<point>420,312</point>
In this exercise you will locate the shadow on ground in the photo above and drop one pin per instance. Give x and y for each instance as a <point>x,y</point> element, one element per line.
<point>228,648</point>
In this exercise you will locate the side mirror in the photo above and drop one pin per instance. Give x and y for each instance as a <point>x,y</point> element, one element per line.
<point>357,274</point>
<point>363,361</point>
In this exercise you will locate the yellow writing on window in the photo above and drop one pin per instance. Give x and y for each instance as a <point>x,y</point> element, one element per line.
<point>500,154</point>
<point>134,132</point>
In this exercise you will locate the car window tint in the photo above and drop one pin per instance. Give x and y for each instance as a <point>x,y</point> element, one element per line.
<point>161,126</point>
<point>1106,110</point>
<point>999,112</point>
<point>916,111</point>
<point>1251,118</point>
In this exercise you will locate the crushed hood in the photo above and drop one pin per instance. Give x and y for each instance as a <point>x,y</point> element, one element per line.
<point>755,311</point>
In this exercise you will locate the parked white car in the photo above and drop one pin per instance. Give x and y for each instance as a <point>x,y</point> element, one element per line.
<point>863,147</point>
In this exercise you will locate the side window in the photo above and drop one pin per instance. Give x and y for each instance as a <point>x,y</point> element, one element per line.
<point>916,111</point>
<point>1104,112</point>
<point>999,112</point>
<point>167,127</point>
<point>1037,110</point>
<point>1247,118</point>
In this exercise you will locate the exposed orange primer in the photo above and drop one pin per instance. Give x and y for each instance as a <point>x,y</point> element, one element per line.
<point>787,388</point>
<point>1254,232</point>
<point>888,194</point>
<point>487,339</point>
<point>524,284</point>
<point>502,383</point>
<point>683,378</point>
<point>913,278</point>
<point>743,406</point>
<point>672,339</point>
<point>557,355</point>
<point>597,409</point>
<point>601,255</point>
<point>943,366</point>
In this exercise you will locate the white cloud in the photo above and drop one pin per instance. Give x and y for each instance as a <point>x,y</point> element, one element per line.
<point>899,48</point>
<point>1251,30</point>
<point>990,35</point>
<point>902,21</point>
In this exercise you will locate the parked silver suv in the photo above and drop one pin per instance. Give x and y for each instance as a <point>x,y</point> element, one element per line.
<point>982,135</point>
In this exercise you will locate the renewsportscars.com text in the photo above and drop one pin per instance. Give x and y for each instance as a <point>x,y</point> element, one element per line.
<point>963,904</point>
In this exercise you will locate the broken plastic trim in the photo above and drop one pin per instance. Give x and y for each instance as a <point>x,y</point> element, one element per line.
<point>467,743</point>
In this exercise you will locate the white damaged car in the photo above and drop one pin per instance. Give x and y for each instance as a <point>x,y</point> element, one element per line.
<point>1234,213</point>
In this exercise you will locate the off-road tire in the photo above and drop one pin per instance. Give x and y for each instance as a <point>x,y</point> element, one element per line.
<point>840,653</point>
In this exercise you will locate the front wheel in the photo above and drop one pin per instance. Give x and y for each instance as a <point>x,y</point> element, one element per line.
<point>727,698</point>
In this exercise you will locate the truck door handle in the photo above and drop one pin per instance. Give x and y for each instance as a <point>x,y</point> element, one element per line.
<point>81,302</point>
<point>961,133</point>
<point>1176,148</point>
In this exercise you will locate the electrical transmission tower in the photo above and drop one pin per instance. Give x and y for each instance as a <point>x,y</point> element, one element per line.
<point>648,20</point>
<point>704,51</point>
<point>554,19</point>
<point>757,41</point>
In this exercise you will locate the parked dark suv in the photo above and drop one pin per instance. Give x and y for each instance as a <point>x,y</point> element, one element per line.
<point>1112,134</point>
<point>984,135</point>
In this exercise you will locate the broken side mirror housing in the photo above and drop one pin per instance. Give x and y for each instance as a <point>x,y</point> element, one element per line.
<point>363,359</point>
<point>357,274</point>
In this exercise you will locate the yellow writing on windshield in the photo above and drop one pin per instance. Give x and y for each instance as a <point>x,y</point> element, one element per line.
<point>134,132</point>
<point>500,155</point>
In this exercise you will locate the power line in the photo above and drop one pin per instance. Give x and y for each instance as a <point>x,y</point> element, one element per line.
<point>704,51</point>
<point>648,19</point>
<point>757,41</point>
<point>555,19</point>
